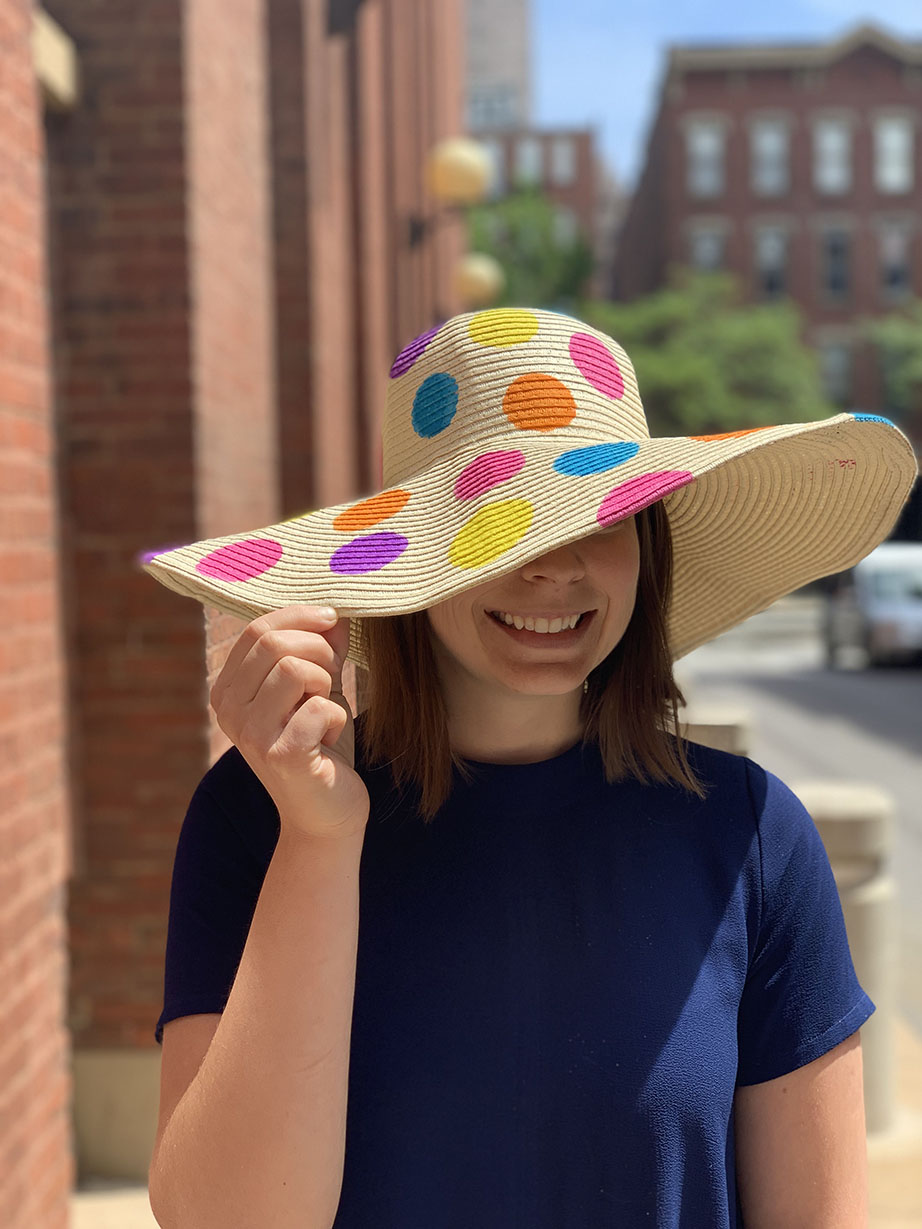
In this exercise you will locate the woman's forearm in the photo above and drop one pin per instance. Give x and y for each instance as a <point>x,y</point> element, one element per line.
<point>258,1138</point>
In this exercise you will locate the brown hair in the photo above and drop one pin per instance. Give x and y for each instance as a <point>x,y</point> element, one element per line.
<point>630,708</point>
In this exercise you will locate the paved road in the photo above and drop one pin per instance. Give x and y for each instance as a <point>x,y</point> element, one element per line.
<point>811,723</point>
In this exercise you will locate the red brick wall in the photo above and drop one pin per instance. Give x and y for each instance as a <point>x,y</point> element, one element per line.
<point>36,1169</point>
<point>160,242</point>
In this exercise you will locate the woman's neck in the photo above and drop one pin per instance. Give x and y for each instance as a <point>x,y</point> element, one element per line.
<point>507,727</point>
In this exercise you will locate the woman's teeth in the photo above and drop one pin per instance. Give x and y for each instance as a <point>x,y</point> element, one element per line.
<point>537,625</point>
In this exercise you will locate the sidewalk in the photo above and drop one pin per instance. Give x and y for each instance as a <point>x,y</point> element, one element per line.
<point>894,1162</point>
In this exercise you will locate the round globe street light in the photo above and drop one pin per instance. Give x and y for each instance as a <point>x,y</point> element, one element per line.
<point>458,173</point>
<point>479,280</point>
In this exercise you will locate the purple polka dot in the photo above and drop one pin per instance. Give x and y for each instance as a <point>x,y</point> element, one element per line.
<point>409,354</point>
<point>368,554</point>
<point>596,364</point>
<point>241,560</point>
<point>147,555</point>
<point>637,493</point>
<point>486,471</point>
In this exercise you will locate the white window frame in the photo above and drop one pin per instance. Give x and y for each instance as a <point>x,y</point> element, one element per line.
<point>529,160</point>
<point>705,168</point>
<point>769,171</point>
<point>832,155</point>
<point>563,161</point>
<point>702,233</point>
<point>894,154</point>
<point>773,233</point>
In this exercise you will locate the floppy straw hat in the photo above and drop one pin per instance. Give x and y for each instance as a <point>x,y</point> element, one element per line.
<point>510,432</point>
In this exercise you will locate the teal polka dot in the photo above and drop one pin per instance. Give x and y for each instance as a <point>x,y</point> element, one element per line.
<point>435,404</point>
<point>596,459</point>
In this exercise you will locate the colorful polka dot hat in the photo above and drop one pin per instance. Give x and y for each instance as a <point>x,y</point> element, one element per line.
<point>512,431</point>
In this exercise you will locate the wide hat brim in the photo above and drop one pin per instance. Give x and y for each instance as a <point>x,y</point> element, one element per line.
<point>754,515</point>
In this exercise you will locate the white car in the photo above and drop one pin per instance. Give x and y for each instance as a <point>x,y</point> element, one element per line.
<point>876,607</point>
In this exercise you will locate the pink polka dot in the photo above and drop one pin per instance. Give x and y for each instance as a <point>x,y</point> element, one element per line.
<point>596,365</point>
<point>241,560</point>
<point>637,493</point>
<point>486,471</point>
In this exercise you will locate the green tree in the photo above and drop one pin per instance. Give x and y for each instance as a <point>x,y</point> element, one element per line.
<point>897,339</point>
<point>706,362</point>
<point>543,267</point>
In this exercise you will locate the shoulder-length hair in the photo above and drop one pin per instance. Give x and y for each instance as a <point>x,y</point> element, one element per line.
<point>629,709</point>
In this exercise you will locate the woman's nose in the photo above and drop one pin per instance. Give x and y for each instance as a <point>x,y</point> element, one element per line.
<point>564,563</point>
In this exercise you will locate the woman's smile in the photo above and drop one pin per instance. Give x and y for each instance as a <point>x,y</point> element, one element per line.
<point>542,631</point>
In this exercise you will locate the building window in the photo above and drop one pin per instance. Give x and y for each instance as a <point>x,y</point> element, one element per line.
<point>566,226</point>
<point>832,156</point>
<point>895,280</point>
<point>893,142</point>
<point>836,371</point>
<point>768,140</point>
<point>563,160</point>
<point>528,160</point>
<point>704,148</point>
<point>835,263</point>
<point>771,249</point>
<point>496,150</point>
<point>706,248</point>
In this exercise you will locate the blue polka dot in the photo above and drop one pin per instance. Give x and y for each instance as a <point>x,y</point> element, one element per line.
<point>434,404</point>
<point>871,418</point>
<point>596,459</point>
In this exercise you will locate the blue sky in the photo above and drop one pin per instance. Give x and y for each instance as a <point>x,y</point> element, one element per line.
<point>598,62</point>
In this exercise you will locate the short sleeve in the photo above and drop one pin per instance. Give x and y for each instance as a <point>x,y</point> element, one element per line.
<point>801,997</point>
<point>224,848</point>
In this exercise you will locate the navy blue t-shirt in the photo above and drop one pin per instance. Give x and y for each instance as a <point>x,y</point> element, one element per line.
<point>559,985</point>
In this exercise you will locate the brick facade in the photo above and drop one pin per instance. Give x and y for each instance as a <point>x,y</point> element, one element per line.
<point>36,1169</point>
<point>228,278</point>
<point>853,82</point>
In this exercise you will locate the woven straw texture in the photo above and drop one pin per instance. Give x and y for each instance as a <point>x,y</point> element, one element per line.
<point>510,432</point>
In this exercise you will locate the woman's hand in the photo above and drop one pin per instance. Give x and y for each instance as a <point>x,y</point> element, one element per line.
<point>279,699</point>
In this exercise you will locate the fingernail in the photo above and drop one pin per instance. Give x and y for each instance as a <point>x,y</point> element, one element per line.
<point>327,612</point>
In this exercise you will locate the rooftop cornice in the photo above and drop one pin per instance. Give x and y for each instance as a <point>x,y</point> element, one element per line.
<point>790,55</point>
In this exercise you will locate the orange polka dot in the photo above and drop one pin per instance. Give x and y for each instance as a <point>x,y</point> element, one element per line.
<point>727,435</point>
<point>538,403</point>
<point>370,511</point>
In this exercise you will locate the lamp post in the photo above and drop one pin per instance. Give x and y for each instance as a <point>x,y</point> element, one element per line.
<point>458,175</point>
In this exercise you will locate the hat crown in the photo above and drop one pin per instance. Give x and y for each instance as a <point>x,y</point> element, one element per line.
<point>490,377</point>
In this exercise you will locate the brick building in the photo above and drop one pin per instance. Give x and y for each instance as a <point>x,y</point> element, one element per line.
<point>206,270</point>
<point>563,164</point>
<point>799,168</point>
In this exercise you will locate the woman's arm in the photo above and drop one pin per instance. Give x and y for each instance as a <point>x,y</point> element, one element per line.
<point>258,1137</point>
<point>801,1146</point>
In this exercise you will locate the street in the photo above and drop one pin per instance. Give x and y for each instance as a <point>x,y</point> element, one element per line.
<point>809,723</point>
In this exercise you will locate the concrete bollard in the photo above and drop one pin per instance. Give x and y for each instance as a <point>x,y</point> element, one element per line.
<point>856,824</point>
<point>723,728</point>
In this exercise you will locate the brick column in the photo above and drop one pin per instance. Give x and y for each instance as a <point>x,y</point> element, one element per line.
<point>36,1167</point>
<point>160,233</point>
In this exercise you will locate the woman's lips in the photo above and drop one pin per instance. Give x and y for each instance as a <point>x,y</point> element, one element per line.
<point>545,639</point>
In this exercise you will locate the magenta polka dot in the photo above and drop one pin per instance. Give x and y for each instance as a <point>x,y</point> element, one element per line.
<point>368,554</point>
<point>409,354</point>
<point>595,364</point>
<point>486,471</point>
<point>241,560</point>
<point>637,493</point>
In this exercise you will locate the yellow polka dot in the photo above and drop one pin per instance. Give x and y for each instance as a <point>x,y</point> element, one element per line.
<point>504,326</point>
<point>370,511</point>
<point>490,533</point>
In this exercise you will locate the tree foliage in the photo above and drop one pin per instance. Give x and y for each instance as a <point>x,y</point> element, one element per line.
<point>706,363</point>
<point>898,340</point>
<point>543,266</point>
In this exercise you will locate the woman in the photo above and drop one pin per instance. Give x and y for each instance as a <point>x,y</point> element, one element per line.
<point>506,950</point>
